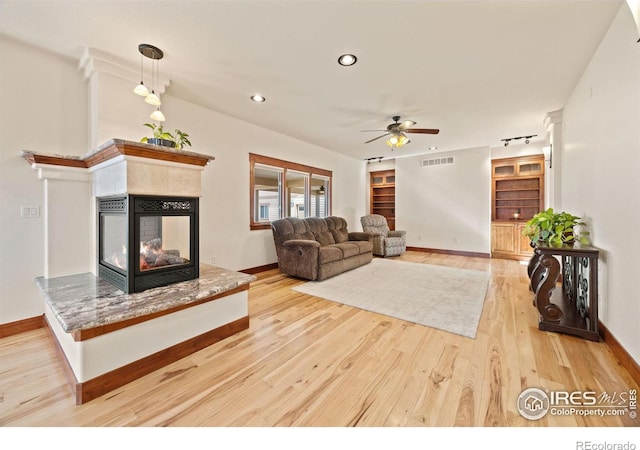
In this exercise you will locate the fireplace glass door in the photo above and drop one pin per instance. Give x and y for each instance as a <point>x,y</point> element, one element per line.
<point>114,241</point>
<point>164,241</point>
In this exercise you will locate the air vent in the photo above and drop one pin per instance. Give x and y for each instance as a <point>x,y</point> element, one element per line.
<point>437,161</point>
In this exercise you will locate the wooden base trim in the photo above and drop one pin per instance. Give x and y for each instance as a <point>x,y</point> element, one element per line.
<point>626,360</point>
<point>100,385</point>
<point>83,335</point>
<point>449,252</point>
<point>21,326</point>
<point>258,269</point>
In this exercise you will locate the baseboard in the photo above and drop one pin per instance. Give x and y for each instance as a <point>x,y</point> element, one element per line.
<point>258,269</point>
<point>449,252</point>
<point>625,359</point>
<point>21,326</point>
<point>100,385</point>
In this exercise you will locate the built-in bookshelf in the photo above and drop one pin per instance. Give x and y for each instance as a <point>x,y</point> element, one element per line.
<point>383,195</point>
<point>517,194</point>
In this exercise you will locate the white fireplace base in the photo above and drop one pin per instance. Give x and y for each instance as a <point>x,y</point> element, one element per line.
<point>102,354</point>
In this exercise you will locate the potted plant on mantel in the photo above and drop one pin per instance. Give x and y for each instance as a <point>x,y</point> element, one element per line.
<point>178,140</point>
<point>551,229</point>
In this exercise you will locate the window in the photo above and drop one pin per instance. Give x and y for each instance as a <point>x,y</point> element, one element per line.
<point>264,212</point>
<point>284,189</point>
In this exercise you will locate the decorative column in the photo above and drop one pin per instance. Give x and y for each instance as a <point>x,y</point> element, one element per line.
<point>553,125</point>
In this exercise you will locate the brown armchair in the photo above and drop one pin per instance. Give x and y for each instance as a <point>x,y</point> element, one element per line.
<point>385,242</point>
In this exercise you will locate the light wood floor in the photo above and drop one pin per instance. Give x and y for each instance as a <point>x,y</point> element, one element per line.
<point>311,362</point>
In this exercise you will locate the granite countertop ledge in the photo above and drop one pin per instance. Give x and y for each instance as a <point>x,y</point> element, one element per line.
<point>84,301</point>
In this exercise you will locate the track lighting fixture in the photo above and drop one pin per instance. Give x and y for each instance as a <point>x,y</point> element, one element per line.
<point>369,160</point>
<point>526,139</point>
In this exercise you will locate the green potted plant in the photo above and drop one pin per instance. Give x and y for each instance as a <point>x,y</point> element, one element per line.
<point>551,229</point>
<point>179,140</point>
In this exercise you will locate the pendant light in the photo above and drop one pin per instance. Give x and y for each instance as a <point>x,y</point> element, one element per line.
<point>141,89</point>
<point>152,98</point>
<point>155,55</point>
<point>157,115</point>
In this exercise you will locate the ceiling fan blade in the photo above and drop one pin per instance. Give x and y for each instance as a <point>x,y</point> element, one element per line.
<point>364,131</point>
<point>371,140</point>
<point>405,125</point>
<point>422,131</point>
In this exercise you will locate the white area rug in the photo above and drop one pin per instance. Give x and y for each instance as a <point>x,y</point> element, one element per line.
<point>440,297</point>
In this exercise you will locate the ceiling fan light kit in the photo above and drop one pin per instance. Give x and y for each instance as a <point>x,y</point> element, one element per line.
<point>398,132</point>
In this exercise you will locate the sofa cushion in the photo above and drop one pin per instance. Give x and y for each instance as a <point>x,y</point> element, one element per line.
<point>348,249</point>
<point>338,228</point>
<point>291,228</point>
<point>363,246</point>
<point>320,231</point>
<point>329,253</point>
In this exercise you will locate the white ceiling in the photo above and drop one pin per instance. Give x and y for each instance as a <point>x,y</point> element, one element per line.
<point>480,71</point>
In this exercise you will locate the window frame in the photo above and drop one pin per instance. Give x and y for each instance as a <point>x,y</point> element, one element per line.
<point>283,165</point>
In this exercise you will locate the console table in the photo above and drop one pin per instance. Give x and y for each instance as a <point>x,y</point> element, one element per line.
<point>571,308</point>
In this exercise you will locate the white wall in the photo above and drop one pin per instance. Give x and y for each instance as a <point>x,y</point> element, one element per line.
<point>57,120</point>
<point>448,206</point>
<point>44,108</point>
<point>601,172</point>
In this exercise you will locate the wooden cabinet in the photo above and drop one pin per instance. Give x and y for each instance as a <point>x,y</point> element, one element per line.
<point>508,242</point>
<point>517,193</point>
<point>383,195</point>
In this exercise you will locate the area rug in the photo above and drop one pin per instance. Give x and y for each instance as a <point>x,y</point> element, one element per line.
<point>445,298</point>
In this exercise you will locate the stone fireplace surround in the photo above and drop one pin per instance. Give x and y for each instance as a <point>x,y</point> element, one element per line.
<point>105,337</point>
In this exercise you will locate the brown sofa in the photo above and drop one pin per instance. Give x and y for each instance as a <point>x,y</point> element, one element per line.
<point>316,249</point>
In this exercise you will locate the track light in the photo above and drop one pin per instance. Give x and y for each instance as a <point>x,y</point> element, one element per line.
<point>526,139</point>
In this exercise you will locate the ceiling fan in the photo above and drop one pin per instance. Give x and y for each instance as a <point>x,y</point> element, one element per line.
<point>398,132</point>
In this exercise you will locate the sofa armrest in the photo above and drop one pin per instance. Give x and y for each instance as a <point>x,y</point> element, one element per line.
<point>299,258</point>
<point>300,243</point>
<point>377,240</point>
<point>397,233</point>
<point>359,236</point>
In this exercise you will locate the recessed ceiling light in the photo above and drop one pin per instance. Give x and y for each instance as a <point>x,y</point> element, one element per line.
<point>258,98</point>
<point>347,59</point>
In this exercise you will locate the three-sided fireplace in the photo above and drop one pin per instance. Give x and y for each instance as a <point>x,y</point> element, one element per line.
<point>147,241</point>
